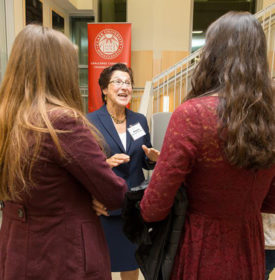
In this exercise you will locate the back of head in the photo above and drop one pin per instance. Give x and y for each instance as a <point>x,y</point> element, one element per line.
<point>234,51</point>
<point>41,77</point>
<point>234,65</point>
<point>43,67</point>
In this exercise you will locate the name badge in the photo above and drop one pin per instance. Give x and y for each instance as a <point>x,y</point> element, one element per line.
<point>136,131</point>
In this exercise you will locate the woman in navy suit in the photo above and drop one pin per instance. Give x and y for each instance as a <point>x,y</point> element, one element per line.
<point>129,151</point>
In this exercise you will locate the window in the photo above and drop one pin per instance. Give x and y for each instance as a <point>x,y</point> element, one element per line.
<point>112,10</point>
<point>79,35</point>
<point>207,11</point>
<point>34,11</point>
<point>57,22</point>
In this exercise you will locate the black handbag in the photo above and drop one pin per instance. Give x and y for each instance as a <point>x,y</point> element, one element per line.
<point>158,241</point>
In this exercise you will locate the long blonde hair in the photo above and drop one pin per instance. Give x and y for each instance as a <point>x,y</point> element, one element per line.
<point>41,76</point>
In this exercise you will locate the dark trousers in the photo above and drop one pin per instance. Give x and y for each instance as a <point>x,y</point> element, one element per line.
<point>269,262</point>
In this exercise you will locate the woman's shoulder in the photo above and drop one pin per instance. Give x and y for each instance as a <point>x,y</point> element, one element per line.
<point>199,104</point>
<point>197,111</point>
<point>202,100</point>
<point>135,114</point>
<point>64,118</point>
<point>95,115</point>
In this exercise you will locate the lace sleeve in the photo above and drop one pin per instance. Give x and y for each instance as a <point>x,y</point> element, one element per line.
<point>177,157</point>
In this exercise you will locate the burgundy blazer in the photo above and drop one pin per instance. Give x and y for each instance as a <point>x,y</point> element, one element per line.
<point>54,234</point>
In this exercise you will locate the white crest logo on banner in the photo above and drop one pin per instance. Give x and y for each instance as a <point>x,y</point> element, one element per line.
<point>108,43</point>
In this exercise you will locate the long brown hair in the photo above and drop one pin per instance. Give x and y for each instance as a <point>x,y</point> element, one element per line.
<point>41,77</point>
<point>234,65</point>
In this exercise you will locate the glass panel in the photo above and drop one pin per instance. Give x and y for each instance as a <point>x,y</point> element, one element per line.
<point>3,41</point>
<point>207,11</point>
<point>83,77</point>
<point>112,10</point>
<point>57,22</point>
<point>34,11</point>
<point>79,35</point>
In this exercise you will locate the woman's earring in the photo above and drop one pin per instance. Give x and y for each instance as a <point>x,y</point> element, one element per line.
<point>105,97</point>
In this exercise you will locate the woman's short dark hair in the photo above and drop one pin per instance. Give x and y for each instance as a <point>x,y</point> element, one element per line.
<point>107,73</point>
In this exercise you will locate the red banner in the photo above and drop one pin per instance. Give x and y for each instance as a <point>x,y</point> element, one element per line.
<point>107,44</point>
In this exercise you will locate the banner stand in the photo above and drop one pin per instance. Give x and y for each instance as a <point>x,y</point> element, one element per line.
<point>108,44</point>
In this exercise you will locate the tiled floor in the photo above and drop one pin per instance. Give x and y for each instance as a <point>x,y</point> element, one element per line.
<point>115,276</point>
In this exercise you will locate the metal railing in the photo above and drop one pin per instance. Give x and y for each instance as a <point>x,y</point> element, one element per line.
<point>167,90</point>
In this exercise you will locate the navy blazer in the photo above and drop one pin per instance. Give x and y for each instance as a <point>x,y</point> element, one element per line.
<point>131,171</point>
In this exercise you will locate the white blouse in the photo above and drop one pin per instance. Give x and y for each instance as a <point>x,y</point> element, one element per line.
<point>122,137</point>
<point>269,230</point>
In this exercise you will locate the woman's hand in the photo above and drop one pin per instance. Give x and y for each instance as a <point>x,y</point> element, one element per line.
<point>117,159</point>
<point>99,208</point>
<point>151,153</point>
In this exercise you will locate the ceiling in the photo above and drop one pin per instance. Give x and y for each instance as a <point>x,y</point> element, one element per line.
<point>69,7</point>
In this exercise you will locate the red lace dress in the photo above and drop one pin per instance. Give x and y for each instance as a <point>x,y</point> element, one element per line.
<point>223,235</point>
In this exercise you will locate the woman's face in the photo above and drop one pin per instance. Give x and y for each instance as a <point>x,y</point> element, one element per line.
<point>119,90</point>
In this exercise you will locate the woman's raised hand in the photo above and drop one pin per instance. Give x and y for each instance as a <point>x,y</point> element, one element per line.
<point>151,153</point>
<point>117,159</point>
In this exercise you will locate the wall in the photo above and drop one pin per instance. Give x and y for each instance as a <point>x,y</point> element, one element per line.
<point>95,9</point>
<point>85,5</point>
<point>82,4</point>
<point>267,3</point>
<point>160,35</point>
<point>48,6</point>
<point>3,41</point>
<point>19,15</point>
<point>155,45</point>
